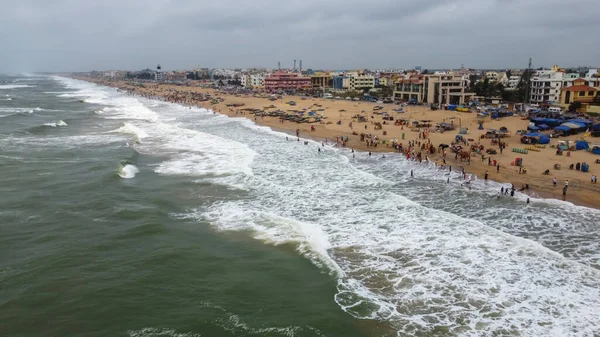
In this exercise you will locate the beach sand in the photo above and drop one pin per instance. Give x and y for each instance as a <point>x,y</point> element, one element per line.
<point>581,191</point>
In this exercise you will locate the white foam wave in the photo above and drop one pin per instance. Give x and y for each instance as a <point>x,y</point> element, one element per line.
<point>131,129</point>
<point>270,228</point>
<point>56,124</point>
<point>128,171</point>
<point>197,153</point>
<point>160,332</point>
<point>14,86</point>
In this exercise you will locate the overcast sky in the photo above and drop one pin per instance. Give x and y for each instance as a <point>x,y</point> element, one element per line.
<point>80,35</point>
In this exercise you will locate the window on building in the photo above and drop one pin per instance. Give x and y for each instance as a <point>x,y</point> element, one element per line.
<point>590,93</point>
<point>582,93</point>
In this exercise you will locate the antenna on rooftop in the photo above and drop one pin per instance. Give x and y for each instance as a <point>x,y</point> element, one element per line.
<point>294,65</point>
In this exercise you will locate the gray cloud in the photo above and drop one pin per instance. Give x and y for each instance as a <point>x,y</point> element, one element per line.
<point>39,35</point>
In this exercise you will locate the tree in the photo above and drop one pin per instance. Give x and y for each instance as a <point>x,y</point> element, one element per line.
<point>573,107</point>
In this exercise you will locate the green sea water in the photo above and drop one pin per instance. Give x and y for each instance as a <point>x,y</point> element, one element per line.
<point>121,216</point>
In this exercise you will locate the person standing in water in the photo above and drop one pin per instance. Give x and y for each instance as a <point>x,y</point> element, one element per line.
<point>486,175</point>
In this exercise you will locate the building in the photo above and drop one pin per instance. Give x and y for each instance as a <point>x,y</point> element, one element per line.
<point>338,82</point>
<point>545,87</point>
<point>360,81</point>
<point>410,89</point>
<point>257,81</point>
<point>281,80</point>
<point>446,89</point>
<point>578,92</point>
<point>434,89</point>
<point>175,76</point>
<point>592,78</point>
<point>321,80</point>
<point>513,82</point>
<point>245,80</point>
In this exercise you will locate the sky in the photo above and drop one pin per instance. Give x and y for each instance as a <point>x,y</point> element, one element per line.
<point>83,35</point>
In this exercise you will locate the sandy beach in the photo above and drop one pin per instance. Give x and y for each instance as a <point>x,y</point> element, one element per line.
<point>580,191</point>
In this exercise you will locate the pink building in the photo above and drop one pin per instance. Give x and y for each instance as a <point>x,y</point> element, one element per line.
<point>281,80</point>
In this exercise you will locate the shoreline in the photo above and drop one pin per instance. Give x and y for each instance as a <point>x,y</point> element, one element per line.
<point>580,192</point>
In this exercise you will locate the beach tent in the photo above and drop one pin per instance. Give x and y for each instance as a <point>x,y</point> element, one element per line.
<point>533,128</point>
<point>544,139</point>
<point>563,128</point>
<point>580,121</point>
<point>543,127</point>
<point>533,134</point>
<point>581,145</point>
<point>596,149</point>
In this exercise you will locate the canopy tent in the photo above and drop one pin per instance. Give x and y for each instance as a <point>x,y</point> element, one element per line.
<point>543,127</point>
<point>563,128</point>
<point>544,139</point>
<point>580,120</point>
<point>575,125</point>
<point>581,145</point>
<point>533,134</point>
<point>533,128</point>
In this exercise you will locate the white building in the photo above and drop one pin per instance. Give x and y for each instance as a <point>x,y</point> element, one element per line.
<point>159,76</point>
<point>245,80</point>
<point>257,80</point>
<point>592,78</point>
<point>545,86</point>
<point>355,81</point>
<point>513,82</point>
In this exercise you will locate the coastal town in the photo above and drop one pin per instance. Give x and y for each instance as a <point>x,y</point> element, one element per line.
<point>534,129</point>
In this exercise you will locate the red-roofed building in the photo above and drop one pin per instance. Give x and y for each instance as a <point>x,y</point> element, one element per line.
<point>578,92</point>
<point>281,80</point>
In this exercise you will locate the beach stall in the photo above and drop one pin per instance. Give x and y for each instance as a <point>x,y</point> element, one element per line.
<point>535,138</point>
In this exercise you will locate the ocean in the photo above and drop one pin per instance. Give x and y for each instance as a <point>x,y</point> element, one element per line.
<point>125,216</point>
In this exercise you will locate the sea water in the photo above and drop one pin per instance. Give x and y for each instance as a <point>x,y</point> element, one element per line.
<point>128,216</point>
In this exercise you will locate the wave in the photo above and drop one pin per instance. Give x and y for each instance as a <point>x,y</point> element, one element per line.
<point>15,86</point>
<point>128,128</point>
<point>56,124</point>
<point>128,171</point>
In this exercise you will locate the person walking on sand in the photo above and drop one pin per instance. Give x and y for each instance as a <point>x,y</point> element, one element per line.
<point>486,175</point>
<point>554,181</point>
<point>497,168</point>
<point>567,183</point>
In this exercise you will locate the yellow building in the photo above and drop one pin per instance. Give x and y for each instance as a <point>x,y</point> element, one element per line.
<point>578,92</point>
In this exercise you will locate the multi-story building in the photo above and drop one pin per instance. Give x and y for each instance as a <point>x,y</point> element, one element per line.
<point>360,81</point>
<point>159,76</point>
<point>410,89</point>
<point>578,92</point>
<point>245,80</point>
<point>446,89</point>
<point>513,82</point>
<point>321,80</point>
<point>281,80</point>
<point>434,89</point>
<point>592,78</point>
<point>545,87</point>
<point>257,81</point>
